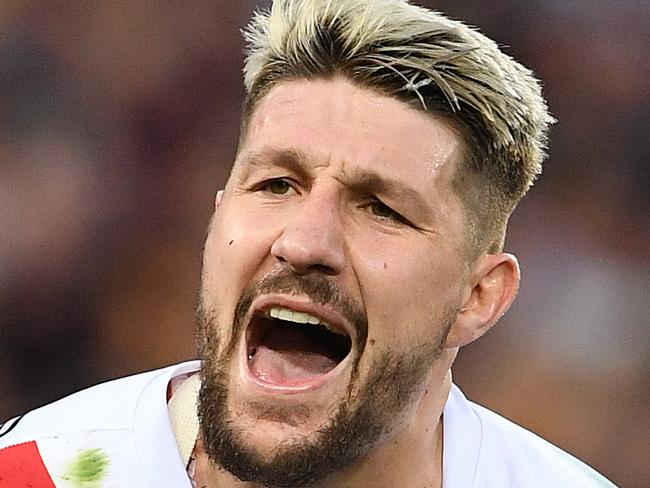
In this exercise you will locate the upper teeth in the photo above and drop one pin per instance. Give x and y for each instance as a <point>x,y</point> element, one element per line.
<point>293,316</point>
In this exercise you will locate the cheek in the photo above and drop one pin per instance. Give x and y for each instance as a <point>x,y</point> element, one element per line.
<point>406,293</point>
<point>236,247</point>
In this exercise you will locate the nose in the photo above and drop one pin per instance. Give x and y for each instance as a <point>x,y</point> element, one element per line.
<point>312,236</point>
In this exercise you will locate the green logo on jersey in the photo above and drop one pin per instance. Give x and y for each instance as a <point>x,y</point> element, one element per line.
<point>87,469</point>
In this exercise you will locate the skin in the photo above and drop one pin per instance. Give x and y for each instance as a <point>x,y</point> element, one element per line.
<point>369,203</point>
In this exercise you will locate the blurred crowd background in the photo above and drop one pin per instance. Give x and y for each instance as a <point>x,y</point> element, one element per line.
<point>119,120</point>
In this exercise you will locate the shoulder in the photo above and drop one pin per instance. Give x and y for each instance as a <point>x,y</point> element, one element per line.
<point>111,424</point>
<point>108,405</point>
<point>506,454</point>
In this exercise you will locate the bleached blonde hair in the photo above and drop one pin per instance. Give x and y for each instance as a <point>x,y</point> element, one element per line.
<point>430,62</point>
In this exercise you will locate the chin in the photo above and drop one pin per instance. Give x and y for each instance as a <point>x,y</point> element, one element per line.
<point>269,436</point>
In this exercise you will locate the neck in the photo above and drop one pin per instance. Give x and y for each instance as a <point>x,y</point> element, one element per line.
<point>411,455</point>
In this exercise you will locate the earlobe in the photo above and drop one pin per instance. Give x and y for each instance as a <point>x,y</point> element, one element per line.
<point>494,282</point>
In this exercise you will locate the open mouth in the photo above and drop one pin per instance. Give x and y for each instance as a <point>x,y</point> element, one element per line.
<point>290,349</point>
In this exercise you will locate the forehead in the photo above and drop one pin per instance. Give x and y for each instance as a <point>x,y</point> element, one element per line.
<point>343,126</point>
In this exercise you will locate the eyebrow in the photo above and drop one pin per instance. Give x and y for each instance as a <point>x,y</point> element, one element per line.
<point>291,159</point>
<point>370,182</point>
<point>358,180</point>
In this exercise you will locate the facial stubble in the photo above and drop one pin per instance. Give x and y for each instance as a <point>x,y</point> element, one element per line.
<point>363,418</point>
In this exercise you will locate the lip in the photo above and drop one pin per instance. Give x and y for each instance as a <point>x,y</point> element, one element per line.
<point>336,323</point>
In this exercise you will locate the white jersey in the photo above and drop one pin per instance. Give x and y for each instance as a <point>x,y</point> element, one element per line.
<point>118,435</point>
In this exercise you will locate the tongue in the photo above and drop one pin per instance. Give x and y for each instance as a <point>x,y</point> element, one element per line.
<point>290,356</point>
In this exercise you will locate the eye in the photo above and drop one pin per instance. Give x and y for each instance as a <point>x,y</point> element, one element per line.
<point>384,212</point>
<point>276,186</point>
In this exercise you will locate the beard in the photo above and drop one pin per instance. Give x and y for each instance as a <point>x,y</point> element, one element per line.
<point>366,414</point>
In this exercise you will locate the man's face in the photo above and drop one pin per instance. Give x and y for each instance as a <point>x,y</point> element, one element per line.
<point>332,270</point>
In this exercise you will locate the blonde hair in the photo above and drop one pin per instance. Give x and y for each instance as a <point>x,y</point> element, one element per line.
<point>430,62</point>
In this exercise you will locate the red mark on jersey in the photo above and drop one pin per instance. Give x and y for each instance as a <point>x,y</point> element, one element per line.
<point>21,466</point>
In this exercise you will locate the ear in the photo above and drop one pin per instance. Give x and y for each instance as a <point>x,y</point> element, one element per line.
<point>494,284</point>
<point>217,200</point>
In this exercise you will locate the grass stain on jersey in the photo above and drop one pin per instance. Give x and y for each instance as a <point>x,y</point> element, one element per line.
<point>87,469</point>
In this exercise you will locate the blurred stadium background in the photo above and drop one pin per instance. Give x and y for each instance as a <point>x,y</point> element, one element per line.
<point>118,121</point>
